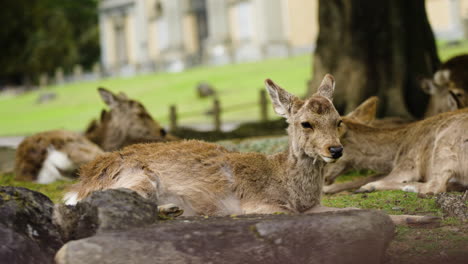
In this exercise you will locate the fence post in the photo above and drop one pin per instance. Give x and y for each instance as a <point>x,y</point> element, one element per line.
<point>172,118</point>
<point>263,106</point>
<point>58,76</point>
<point>43,80</point>
<point>77,72</point>
<point>217,114</point>
<point>97,70</point>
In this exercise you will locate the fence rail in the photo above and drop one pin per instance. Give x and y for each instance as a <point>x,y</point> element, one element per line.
<point>217,110</point>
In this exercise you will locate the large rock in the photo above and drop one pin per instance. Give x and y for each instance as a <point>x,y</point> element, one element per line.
<point>357,236</point>
<point>26,227</point>
<point>111,209</point>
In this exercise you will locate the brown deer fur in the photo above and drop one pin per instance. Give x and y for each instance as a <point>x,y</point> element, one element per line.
<point>127,122</point>
<point>449,87</point>
<point>206,179</point>
<point>421,157</point>
<point>65,150</point>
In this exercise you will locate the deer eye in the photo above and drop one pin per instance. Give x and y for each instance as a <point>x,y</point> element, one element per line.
<point>339,123</point>
<point>306,125</point>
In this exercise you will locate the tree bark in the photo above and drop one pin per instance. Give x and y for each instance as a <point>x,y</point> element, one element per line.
<point>375,48</point>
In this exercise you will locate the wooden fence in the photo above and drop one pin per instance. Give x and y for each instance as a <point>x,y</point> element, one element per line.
<point>216,111</point>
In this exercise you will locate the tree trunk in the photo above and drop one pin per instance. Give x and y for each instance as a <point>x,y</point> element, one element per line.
<point>376,48</point>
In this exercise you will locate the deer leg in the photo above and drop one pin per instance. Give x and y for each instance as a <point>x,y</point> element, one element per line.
<point>437,184</point>
<point>393,181</point>
<point>169,211</point>
<point>262,208</point>
<point>339,187</point>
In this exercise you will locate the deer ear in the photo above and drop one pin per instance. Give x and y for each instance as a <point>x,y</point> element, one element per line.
<point>108,97</point>
<point>366,111</point>
<point>281,99</point>
<point>123,95</point>
<point>428,86</point>
<point>327,87</point>
<point>442,77</point>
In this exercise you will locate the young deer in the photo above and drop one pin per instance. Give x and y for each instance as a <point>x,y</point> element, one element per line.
<point>206,179</point>
<point>419,157</point>
<point>52,155</point>
<point>448,87</point>
<point>127,122</point>
<point>48,156</point>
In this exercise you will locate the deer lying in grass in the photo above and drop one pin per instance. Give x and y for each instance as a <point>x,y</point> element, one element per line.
<point>206,179</point>
<point>49,156</point>
<point>419,157</point>
<point>449,86</point>
<point>127,122</point>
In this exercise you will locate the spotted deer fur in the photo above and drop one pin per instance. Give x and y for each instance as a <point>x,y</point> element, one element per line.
<point>52,155</point>
<point>423,156</point>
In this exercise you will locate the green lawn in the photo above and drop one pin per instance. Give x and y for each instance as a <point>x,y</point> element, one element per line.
<point>78,103</point>
<point>237,84</point>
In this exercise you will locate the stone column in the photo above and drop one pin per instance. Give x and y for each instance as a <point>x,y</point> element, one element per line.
<point>456,20</point>
<point>272,27</point>
<point>141,34</point>
<point>174,55</point>
<point>218,47</point>
<point>103,41</point>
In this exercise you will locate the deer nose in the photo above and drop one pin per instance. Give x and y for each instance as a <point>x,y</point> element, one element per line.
<point>336,151</point>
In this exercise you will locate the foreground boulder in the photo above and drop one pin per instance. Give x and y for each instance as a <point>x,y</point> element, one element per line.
<point>113,209</point>
<point>27,233</point>
<point>356,236</point>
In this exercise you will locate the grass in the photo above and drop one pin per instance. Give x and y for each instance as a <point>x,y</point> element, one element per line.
<point>54,191</point>
<point>237,85</point>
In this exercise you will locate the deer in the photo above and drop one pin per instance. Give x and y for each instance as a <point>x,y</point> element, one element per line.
<point>198,178</point>
<point>448,86</point>
<point>127,122</point>
<point>422,157</point>
<point>53,155</point>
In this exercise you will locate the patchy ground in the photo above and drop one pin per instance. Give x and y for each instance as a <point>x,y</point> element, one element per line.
<point>447,243</point>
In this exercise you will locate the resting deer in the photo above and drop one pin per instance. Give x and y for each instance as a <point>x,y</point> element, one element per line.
<point>49,156</point>
<point>448,87</point>
<point>419,157</point>
<point>127,122</point>
<point>206,179</point>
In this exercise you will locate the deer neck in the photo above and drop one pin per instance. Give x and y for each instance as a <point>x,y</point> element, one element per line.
<point>373,148</point>
<point>302,177</point>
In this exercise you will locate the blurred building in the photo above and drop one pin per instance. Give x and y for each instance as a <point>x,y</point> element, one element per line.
<point>172,35</point>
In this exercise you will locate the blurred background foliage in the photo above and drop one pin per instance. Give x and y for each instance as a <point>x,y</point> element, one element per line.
<point>39,35</point>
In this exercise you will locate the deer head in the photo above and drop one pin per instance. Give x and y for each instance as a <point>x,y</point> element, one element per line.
<point>314,124</point>
<point>365,114</point>
<point>127,122</point>
<point>445,96</point>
